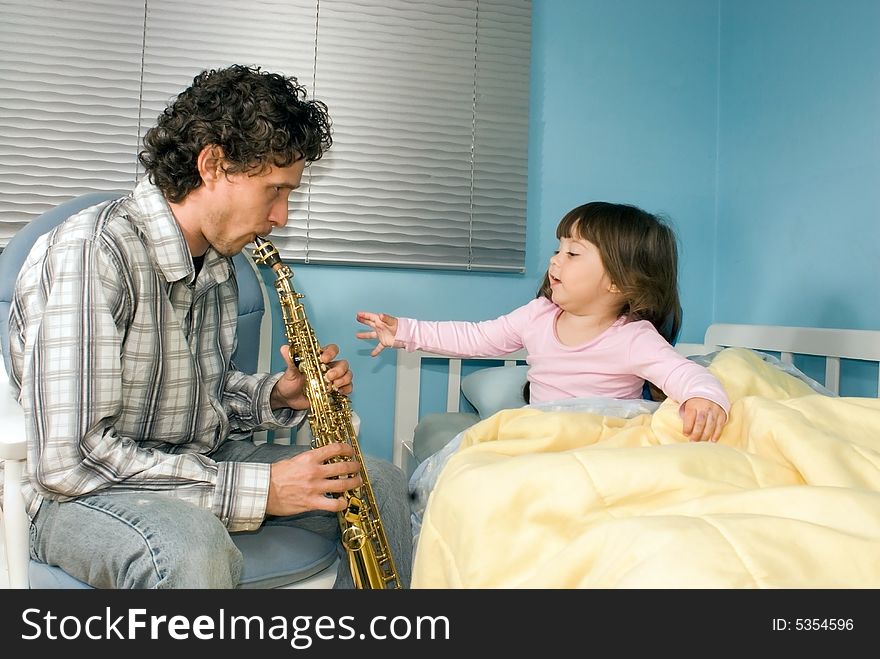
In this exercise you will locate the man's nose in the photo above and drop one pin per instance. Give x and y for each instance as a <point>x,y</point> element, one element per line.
<point>278,215</point>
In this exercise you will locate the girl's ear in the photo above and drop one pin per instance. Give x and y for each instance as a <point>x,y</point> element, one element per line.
<point>613,289</point>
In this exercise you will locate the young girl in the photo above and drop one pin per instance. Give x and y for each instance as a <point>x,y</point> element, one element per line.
<point>602,323</point>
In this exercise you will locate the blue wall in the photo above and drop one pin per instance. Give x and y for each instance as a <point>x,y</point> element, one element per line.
<point>799,169</point>
<point>799,163</point>
<point>623,108</point>
<point>754,125</point>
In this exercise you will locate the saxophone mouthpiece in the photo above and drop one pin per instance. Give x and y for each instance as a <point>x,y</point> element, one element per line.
<point>265,253</point>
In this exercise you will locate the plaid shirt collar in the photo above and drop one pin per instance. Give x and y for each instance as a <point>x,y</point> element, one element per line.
<point>150,213</point>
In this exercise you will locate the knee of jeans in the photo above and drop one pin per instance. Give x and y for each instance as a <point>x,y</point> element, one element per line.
<point>207,559</point>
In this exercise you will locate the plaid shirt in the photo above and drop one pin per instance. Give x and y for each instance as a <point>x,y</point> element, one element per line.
<point>123,365</point>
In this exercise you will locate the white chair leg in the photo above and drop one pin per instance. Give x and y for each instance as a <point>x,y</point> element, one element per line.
<point>17,525</point>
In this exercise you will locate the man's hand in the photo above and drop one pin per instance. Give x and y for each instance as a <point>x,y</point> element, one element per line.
<point>299,484</point>
<point>289,391</point>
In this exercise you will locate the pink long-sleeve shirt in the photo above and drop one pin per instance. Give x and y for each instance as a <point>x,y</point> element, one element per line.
<point>615,364</point>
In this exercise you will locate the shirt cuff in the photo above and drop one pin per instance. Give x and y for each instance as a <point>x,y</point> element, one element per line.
<point>267,417</point>
<point>403,335</point>
<point>240,494</point>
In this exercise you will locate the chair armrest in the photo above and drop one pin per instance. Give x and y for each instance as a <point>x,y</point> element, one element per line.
<point>13,453</point>
<point>13,440</point>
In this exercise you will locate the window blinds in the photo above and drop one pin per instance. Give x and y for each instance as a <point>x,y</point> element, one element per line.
<point>69,85</point>
<point>429,102</point>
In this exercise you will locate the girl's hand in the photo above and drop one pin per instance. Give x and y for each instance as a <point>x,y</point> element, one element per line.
<point>384,329</point>
<point>703,419</point>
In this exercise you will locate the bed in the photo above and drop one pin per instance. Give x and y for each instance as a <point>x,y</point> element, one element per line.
<point>508,495</point>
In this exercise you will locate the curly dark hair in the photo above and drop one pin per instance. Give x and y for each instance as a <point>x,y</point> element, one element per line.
<point>258,119</point>
<point>640,255</point>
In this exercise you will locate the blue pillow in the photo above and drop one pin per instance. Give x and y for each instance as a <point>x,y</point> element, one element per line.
<point>496,388</point>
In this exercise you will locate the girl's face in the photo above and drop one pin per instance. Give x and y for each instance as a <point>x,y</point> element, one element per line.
<point>578,280</point>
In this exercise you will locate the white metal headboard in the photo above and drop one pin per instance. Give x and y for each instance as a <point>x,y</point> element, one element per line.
<point>833,344</point>
<point>408,386</point>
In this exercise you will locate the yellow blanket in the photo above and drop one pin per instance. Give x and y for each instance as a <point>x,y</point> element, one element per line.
<point>788,498</point>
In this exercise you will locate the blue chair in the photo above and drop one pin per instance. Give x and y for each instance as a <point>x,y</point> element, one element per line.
<point>274,556</point>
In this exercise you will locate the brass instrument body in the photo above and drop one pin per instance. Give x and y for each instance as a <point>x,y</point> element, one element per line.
<point>330,419</point>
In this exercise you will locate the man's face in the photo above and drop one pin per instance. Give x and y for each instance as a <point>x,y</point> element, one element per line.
<point>250,205</point>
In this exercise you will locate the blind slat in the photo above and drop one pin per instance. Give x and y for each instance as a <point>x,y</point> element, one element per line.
<point>429,102</point>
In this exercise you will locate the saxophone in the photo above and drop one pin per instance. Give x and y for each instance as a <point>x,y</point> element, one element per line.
<point>361,530</point>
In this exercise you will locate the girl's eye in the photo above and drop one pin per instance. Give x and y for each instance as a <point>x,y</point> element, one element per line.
<point>572,253</point>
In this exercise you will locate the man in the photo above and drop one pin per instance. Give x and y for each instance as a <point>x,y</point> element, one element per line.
<point>122,328</point>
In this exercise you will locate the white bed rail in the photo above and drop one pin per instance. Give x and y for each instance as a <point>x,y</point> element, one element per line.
<point>408,387</point>
<point>832,344</point>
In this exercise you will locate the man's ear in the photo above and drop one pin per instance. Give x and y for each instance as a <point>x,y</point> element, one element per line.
<point>210,164</point>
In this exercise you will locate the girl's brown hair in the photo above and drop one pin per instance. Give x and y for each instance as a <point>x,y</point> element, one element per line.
<point>640,255</point>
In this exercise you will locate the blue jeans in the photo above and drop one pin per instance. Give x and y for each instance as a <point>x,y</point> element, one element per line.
<point>152,540</point>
